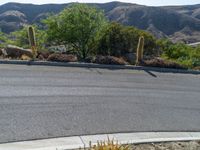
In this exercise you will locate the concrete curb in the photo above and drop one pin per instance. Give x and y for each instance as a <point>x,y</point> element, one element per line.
<point>102,66</point>
<point>67,143</point>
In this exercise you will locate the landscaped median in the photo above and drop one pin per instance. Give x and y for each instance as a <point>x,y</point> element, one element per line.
<point>135,141</point>
<point>17,55</point>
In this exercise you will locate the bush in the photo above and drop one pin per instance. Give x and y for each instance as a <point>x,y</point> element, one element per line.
<point>197,68</point>
<point>181,53</point>
<point>62,58</point>
<point>109,145</point>
<point>118,40</point>
<point>42,55</point>
<point>3,39</point>
<point>111,60</point>
<point>158,62</point>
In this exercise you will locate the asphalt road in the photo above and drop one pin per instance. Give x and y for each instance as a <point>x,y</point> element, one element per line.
<point>42,102</point>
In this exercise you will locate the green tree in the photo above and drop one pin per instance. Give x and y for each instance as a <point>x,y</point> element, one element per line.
<point>77,26</point>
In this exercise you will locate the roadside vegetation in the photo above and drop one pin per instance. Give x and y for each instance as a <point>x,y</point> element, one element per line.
<point>111,145</point>
<point>82,33</point>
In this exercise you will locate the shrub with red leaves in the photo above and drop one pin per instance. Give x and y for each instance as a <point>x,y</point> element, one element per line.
<point>110,60</point>
<point>197,68</point>
<point>62,58</point>
<point>158,62</point>
<point>43,55</point>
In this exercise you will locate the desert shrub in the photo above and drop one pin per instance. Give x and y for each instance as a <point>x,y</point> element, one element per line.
<point>62,57</point>
<point>110,60</point>
<point>158,62</point>
<point>181,53</point>
<point>117,40</point>
<point>108,145</point>
<point>43,55</point>
<point>4,39</point>
<point>112,41</point>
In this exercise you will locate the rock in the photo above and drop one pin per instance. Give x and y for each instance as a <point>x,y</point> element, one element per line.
<point>17,52</point>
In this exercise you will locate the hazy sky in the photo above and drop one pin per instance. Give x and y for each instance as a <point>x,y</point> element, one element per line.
<point>145,2</point>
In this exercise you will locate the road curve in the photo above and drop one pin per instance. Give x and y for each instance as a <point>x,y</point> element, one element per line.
<point>43,102</point>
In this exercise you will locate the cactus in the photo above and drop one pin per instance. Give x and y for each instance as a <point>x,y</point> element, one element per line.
<point>32,40</point>
<point>140,50</point>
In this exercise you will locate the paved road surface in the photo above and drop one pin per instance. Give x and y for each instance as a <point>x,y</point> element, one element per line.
<point>43,102</point>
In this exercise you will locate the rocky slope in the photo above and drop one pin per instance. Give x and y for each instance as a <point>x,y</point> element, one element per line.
<point>179,23</point>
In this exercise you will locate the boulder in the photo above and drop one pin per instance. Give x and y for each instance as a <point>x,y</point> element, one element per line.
<point>16,52</point>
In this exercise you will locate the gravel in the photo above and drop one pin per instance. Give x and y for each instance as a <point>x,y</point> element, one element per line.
<point>192,145</point>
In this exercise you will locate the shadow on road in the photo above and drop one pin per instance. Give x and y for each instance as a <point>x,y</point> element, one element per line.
<point>149,70</point>
<point>150,73</point>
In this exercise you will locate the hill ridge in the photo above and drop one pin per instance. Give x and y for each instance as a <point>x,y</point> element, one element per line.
<point>164,21</point>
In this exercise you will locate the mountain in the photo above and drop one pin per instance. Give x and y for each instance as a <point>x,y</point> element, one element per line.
<point>179,23</point>
<point>191,10</point>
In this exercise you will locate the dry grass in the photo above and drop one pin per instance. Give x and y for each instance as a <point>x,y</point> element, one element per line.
<point>108,145</point>
<point>25,57</point>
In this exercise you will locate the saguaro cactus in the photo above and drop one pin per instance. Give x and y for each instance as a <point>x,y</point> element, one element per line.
<point>32,40</point>
<point>140,50</point>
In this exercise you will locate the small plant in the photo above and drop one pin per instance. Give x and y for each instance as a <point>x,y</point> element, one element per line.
<point>108,145</point>
<point>140,50</point>
<point>32,40</point>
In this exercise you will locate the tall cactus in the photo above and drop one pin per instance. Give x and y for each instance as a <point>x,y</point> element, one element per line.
<point>32,40</point>
<point>140,50</point>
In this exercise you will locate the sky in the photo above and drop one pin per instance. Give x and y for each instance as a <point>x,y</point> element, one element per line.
<point>144,2</point>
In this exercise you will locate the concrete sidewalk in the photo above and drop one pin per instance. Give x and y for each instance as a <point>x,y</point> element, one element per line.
<point>67,143</point>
